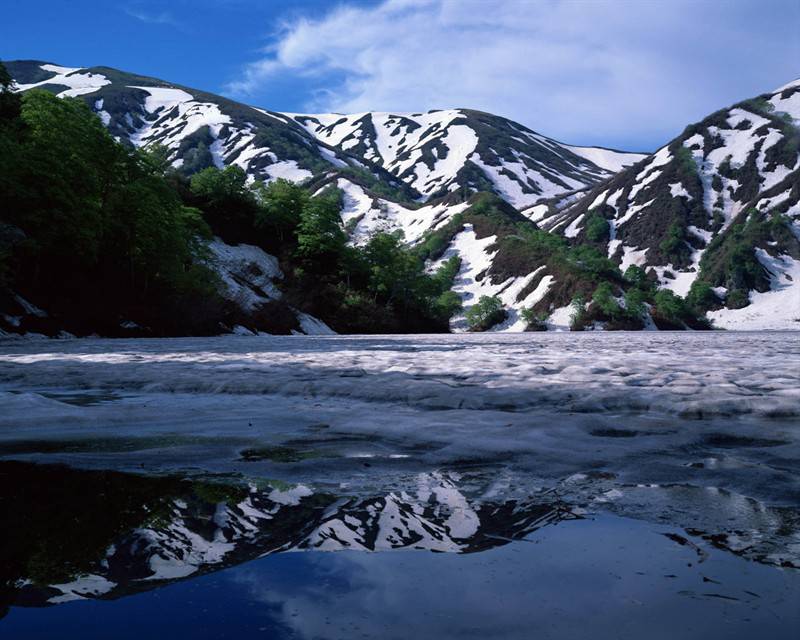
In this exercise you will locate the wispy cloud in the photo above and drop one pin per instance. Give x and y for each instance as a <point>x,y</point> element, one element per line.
<point>583,70</point>
<point>163,17</point>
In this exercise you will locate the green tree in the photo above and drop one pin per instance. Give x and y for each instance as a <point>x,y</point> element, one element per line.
<point>637,277</point>
<point>597,228</point>
<point>229,206</point>
<point>578,315</point>
<point>591,263</point>
<point>673,245</point>
<point>281,206</point>
<point>105,235</point>
<point>486,313</point>
<point>701,296</point>
<point>604,298</point>
<point>9,101</point>
<point>634,303</point>
<point>446,305</point>
<point>669,305</point>
<point>536,320</point>
<point>320,237</point>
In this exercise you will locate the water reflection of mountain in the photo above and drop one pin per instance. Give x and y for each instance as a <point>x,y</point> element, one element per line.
<point>105,534</point>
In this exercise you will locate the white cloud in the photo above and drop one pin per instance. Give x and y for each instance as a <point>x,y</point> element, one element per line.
<point>162,17</point>
<point>584,71</point>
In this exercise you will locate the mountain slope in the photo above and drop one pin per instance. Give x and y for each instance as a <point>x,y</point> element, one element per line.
<point>433,154</point>
<point>719,204</point>
<point>200,129</point>
<point>463,150</point>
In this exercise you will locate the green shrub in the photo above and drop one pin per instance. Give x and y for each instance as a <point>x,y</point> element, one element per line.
<point>535,320</point>
<point>701,296</point>
<point>597,228</point>
<point>673,245</point>
<point>578,316</point>
<point>737,299</point>
<point>685,162</point>
<point>606,302</point>
<point>591,263</point>
<point>634,303</point>
<point>669,305</point>
<point>485,314</point>
<point>637,277</point>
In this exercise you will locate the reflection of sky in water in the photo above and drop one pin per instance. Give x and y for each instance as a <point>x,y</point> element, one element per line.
<point>607,577</point>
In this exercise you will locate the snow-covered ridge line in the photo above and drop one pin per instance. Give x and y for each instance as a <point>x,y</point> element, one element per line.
<point>609,159</point>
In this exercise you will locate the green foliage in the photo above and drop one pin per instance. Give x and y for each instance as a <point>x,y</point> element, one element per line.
<point>228,204</point>
<point>541,243</point>
<point>597,228</point>
<point>635,299</point>
<point>578,315</point>
<point>591,263</point>
<point>435,243</point>
<point>486,313</point>
<point>446,305</point>
<point>685,162</point>
<point>282,204</point>
<point>674,245</point>
<point>535,320</point>
<point>758,105</point>
<point>604,299</point>
<point>320,237</point>
<point>637,277</point>
<point>669,306</point>
<point>5,78</point>
<point>105,233</point>
<point>379,187</point>
<point>447,272</point>
<point>701,296</point>
<point>737,299</point>
<point>731,261</point>
<point>9,101</point>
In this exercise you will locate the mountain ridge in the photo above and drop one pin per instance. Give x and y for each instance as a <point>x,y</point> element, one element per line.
<point>419,173</point>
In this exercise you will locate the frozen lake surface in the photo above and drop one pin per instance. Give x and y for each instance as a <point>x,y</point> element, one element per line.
<point>576,482</point>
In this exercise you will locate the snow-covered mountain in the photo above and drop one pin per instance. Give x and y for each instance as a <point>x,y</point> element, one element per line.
<point>199,528</point>
<point>721,202</point>
<point>434,153</point>
<point>718,203</point>
<point>461,150</point>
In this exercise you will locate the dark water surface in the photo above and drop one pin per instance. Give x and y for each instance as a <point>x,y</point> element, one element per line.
<point>616,486</point>
<point>601,578</point>
<point>95,554</point>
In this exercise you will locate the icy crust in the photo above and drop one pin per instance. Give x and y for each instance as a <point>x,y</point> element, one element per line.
<point>693,429</point>
<point>687,374</point>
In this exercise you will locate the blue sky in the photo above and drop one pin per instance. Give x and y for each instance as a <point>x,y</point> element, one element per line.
<point>622,73</point>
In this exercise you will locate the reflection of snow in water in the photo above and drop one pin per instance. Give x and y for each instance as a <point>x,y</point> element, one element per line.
<point>649,411</point>
<point>601,578</point>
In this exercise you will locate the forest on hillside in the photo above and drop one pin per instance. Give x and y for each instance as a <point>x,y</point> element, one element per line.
<point>106,236</point>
